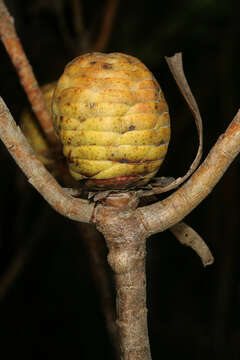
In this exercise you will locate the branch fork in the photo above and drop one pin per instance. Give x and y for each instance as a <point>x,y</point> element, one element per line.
<point>117,216</point>
<point>146,220</point>
<point>116,221</point>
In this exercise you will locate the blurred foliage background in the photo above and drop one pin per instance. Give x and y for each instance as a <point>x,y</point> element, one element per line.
<point>49,304</point>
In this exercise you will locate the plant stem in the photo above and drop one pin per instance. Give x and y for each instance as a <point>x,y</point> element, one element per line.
<point>16,53</point>
<point>38,176</point>
<point>131,304</point>
<point>106,26</point>
<point>126,241</point>
<point>163,215</point>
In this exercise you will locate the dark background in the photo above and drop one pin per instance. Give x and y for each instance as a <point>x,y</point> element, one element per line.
<point>51,309</point>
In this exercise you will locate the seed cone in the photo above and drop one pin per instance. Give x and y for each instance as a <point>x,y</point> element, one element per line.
<point>112,119</point>
<point>34,134</point>
<point>50,157</point>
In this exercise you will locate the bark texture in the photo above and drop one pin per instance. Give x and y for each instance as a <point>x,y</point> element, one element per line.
<point>126,239</point>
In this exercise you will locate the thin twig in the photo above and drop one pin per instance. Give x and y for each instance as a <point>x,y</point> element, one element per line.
<point>15,50</point>
<point>187,236</point>
<point>107,24</point>
<point>78,18</point>
<point>82,35</point>
<point>38,176</point>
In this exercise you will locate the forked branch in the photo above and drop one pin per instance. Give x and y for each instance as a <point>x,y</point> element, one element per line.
<point>125,228</point>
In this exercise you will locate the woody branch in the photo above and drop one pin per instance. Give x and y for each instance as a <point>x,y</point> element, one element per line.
<point>19,59</point>
<point>162,215</point>
<point>132,226</point>
<point>126,241</point>
<point>38,176</point>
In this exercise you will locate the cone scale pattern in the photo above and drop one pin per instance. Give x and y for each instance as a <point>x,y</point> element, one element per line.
<point>112,119</point>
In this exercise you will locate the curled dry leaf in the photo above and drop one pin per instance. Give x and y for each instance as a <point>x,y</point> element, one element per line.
<point>189,237</point>
<point>176,66</point>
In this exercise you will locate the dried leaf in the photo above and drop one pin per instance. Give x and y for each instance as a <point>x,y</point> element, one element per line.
<point>189,237</point>
<point>162,181</point>
<point>176,66</point>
